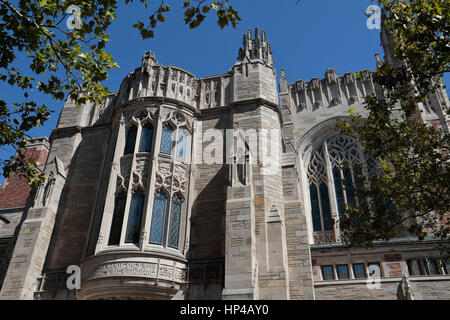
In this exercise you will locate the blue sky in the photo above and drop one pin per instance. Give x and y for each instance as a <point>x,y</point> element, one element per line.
<point>306,38</point>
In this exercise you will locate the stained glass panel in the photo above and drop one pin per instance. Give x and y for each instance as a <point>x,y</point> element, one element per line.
<point>158,218</point>
<point>134,218</point>
<point>325,202</point>
<point>181,144</point>
<point>146,139</point>
<point>315,208</point>
<point>166,140</point>
<point>174,225</point>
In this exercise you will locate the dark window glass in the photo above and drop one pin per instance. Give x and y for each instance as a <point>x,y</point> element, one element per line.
<point>414,268</point>
<point>166,140</point>
<point>349,187</point>
<point>146,139</point>
<point>325,202</point>
<point>131,140</point>
<point>342,271</point>
<point>134,218</point>
<point>174,225</point>
<point>117,221</point>
<point>327,273</point>
<point>431,266</point>
<point>315,208</point>
<point>447,266</point>
<point>339,191</point>
<point>359,271</point>
<point>158,218</point>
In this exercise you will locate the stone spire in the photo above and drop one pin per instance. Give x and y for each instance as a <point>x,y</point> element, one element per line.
<point>256,48</point>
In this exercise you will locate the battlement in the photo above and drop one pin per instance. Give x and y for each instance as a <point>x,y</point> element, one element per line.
<point>330,91</point>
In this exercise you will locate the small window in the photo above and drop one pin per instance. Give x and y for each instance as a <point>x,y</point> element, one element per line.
<point>158,218</point>
<point>131,140</point>
<point>117,221</point>
<point>134,218</point>
<point>342,271</point>
<point>359,271</point>
<point>327,273</point>
<point>146,139</point>
<point>167,140</point>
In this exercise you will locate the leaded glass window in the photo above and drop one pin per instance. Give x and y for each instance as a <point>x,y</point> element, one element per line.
<point>158,218</point>
<point>174,223</point>
<point>146,138</point>
<point>359,271</point>
<point>131,140</point>
<point>167,139</point>
<point>134,218</point>
<point>117,221</point>
<point>327,273</point>
<point>181,144</point>
<point>331,180</point>
<point>342,271</point>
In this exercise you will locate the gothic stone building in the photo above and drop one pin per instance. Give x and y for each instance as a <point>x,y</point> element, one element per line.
<point>150,195</point>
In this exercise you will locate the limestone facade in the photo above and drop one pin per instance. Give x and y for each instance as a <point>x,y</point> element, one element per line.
<point>222,187</point>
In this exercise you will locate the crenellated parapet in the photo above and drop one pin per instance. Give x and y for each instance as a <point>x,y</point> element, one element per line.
<point>330,91</point>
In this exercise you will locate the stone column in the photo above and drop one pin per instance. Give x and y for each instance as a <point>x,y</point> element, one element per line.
<point>29,255</point>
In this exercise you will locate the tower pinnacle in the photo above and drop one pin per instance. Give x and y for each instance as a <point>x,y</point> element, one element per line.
<point>256,48</point>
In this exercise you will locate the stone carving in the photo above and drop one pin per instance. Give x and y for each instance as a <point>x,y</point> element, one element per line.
<point>324,237</point>
<point>122,183</point>
<point>140,269</point>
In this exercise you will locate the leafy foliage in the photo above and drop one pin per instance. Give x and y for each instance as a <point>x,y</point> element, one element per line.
<point>411,192</point>
<point>66,62</point>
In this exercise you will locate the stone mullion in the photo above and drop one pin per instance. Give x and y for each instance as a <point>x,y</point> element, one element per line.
<point>189,198</point>
<point>151,181</point>
<point>108,210</point>
<point>130,187</point>
<point>331,192</point>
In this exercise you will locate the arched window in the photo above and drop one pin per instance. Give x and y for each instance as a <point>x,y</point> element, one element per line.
<point>167,139</point>
<point>158,218</point>
<point>131,140</point>
<point>331,179</point>
<point>174,223</point>
<point>117,221</point>
<point>146,138</point>
<point>134,218</point>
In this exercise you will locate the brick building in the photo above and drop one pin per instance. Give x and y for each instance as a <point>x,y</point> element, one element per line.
<point>222,187</point>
